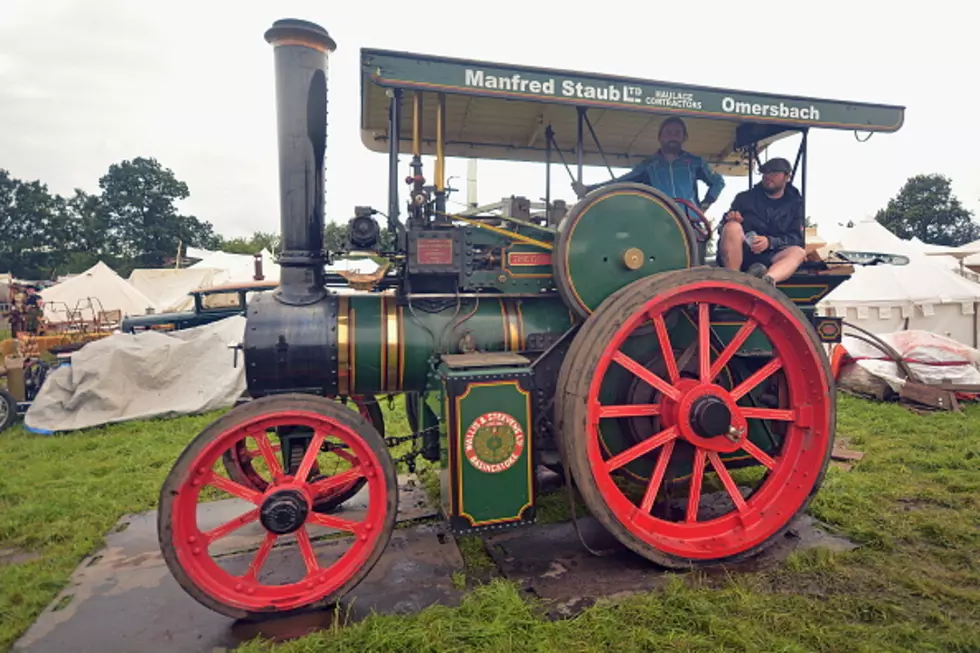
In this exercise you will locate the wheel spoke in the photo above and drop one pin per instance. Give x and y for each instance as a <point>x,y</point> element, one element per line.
<point>629,410</point>
<point>737,341</point>
<point>653,487</point>
<point>336,523</point>
<point>306,548</point>
<point>694,495</point>
<point>758,377</point>
<point>260,556</point>
<point>230,526</point>
<point>687,355</point>
<point>268,455</point>
<point>704,342</point>
<point>777,414</point>
<point>234,489</point>
<point>726,480</point>
<point>757,453</point>
<point>645,447</point>
<point>251,454</point>
<point>333,483</point>
<point>646,375</point>
<point>309,457</point>
<point>666,348</point>
<point>346,455</point>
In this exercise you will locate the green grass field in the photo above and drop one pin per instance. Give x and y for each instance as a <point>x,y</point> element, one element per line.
<point>913,504</point>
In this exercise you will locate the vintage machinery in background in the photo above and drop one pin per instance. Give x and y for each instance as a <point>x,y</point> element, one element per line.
<point>600,343</point>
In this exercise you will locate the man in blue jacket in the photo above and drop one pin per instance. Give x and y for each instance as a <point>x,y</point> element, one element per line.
<point>671,170</point>
<point>764,232</point>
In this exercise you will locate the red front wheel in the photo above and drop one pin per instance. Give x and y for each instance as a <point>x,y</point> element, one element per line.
<point>244,464</point>
<point>675,385</point>
<point>279,555</point>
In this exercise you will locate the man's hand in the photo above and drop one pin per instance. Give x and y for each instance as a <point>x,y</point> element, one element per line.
<point>759,244</point>
<point>733,216</point>
<point>579,188</point>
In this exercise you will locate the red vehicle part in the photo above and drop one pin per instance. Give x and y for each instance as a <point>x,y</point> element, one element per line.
<point>698,416</point>
<point>284,510</point>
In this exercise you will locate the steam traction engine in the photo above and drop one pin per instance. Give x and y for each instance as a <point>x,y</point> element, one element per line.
<point>603,346</point>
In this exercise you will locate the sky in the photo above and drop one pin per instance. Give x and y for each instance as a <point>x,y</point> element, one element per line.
<point>84,84</point>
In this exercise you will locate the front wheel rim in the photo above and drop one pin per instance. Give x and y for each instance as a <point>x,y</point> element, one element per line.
<point>246,591</point>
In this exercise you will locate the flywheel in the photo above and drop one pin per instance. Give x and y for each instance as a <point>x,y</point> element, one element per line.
<point>615,235</point>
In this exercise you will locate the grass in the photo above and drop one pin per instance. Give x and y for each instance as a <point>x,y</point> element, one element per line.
<point>913,504</point>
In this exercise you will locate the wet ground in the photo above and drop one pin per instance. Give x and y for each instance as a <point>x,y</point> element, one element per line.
<point>123,598</point>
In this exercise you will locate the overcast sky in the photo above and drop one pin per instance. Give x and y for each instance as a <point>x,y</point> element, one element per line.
<point>86,83</point>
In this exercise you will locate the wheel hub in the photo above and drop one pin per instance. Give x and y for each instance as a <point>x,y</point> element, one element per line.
<point>706,416</point>
<point>710,417</point>
<point>284,511</point>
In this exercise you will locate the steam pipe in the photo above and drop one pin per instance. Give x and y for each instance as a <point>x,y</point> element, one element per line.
<point>301,51</point>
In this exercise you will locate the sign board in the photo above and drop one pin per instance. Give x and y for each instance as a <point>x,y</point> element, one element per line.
<point>439,74</point>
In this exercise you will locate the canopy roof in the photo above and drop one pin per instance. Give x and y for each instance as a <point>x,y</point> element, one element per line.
<point>500,111</point>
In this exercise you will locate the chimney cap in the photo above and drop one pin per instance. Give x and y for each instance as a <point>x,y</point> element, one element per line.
<point>294,31</point>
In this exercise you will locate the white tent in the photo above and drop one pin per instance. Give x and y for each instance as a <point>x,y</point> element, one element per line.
<point>97,289</point>
<point>926,294</point>
<point>168,288</point>
<point>239,267</point>
<point>356,265</point>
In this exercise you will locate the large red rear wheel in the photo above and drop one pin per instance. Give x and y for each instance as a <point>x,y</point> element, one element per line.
<point>651,397</point>
<point>281,515</point>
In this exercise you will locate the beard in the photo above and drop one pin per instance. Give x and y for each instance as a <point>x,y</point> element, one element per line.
<point>672,146</point>
<point>772,188</point>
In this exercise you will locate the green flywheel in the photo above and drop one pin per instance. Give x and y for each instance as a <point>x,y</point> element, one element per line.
<point>615,235</point>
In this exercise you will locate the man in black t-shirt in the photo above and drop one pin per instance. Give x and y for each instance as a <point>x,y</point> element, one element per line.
<point>763,232</point>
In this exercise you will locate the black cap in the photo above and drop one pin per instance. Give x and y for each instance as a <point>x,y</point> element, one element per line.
<point>776,165</point>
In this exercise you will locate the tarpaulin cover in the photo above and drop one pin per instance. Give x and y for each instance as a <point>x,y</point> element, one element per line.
<point>932,357</point>
<point>139,376</point>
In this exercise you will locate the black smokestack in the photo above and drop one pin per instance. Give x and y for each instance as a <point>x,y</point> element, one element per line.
<point>301,52</point>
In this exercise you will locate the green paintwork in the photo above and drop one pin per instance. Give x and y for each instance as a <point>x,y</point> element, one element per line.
<point>368,344</point>
<point>424,334</point>
<point>477,279</point>
<point>491,497</point>
<point>599,232</point>
<point>476,78</point>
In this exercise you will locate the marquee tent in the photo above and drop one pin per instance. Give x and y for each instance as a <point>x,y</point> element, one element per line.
<point>86,295</point>
<point>926,294</point>
<point>168,288</point>
<point>239,267</point>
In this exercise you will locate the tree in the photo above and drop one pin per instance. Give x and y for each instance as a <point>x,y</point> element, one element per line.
<point>926,208</point>
<point>32,224</point>
<point>257,242</point>
<point>139,198</point>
